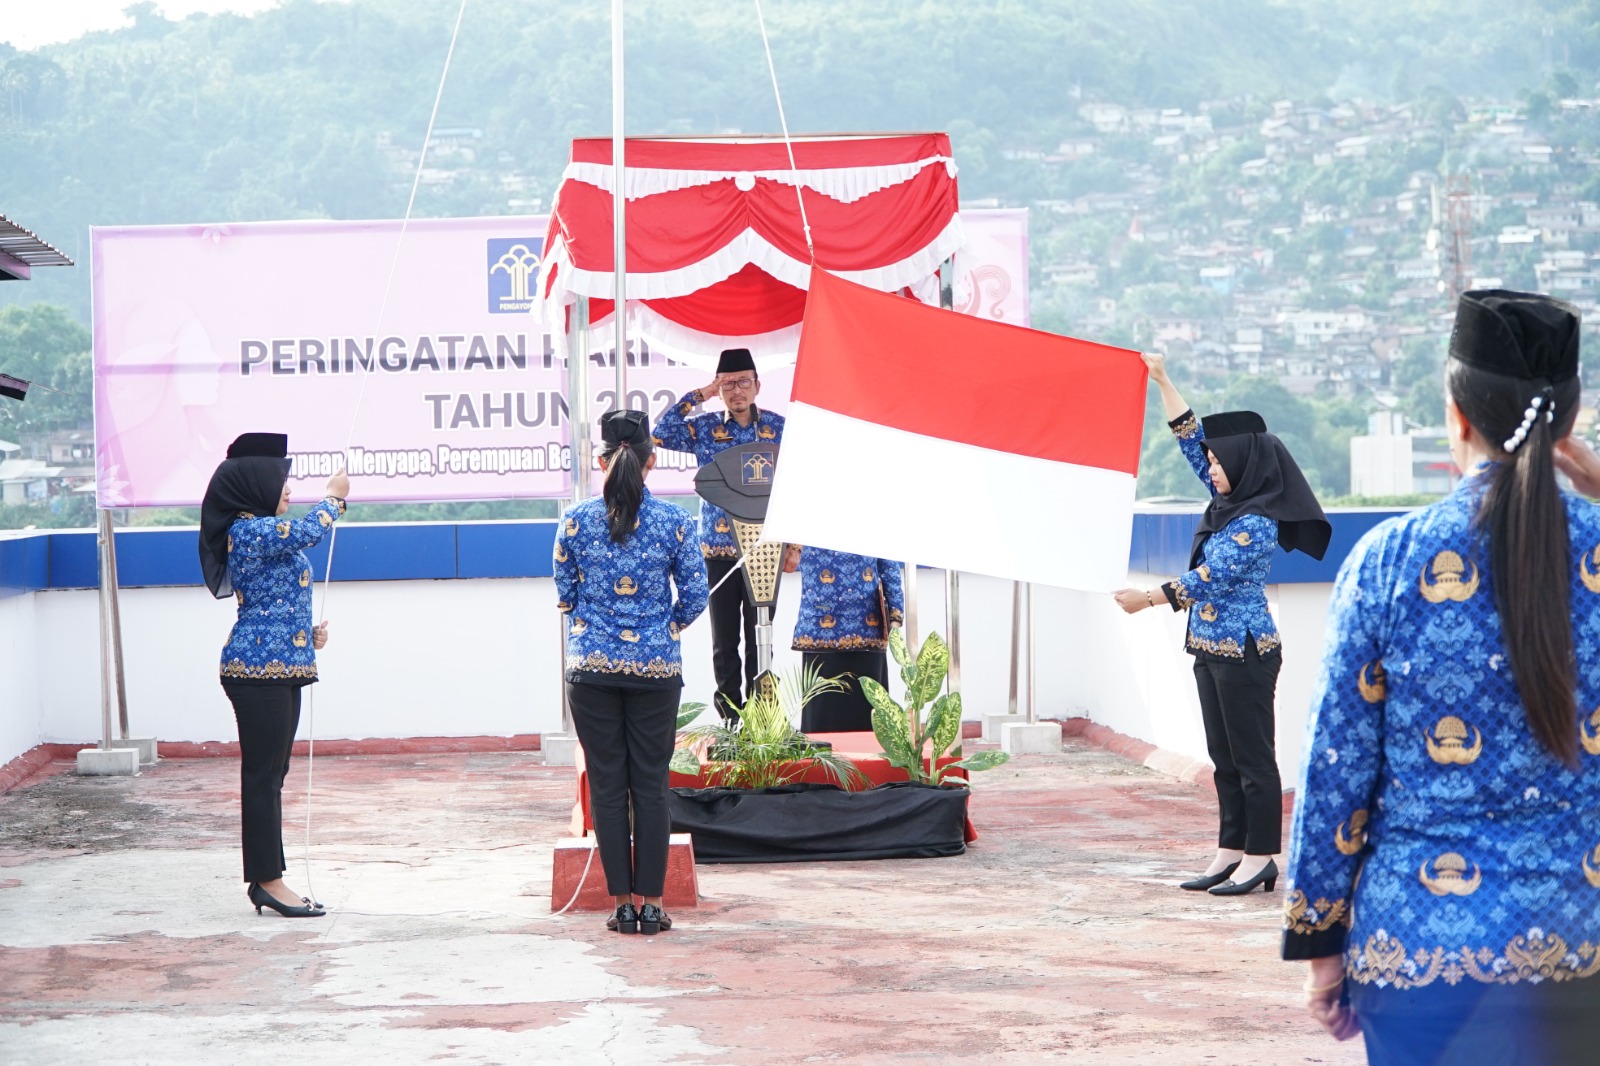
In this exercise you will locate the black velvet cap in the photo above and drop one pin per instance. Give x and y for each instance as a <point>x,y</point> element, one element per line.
<point>626,427</point>
<point>1232,423</point>
<point>1523,335</point>
<point>267,445</point>
<point>734,360</point>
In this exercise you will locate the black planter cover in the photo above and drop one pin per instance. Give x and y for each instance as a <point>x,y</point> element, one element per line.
<point>820,823</point>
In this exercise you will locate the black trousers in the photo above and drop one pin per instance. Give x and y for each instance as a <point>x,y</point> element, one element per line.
<point>627,736</point>
<point>847,711</point>
<point>1236,704</point>
<point>732,615</point>
<point>268,716</point>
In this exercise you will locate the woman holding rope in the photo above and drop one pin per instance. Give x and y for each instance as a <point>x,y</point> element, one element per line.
<point>1260,502</point>
<point>250,551</point>
<point>617,558</point>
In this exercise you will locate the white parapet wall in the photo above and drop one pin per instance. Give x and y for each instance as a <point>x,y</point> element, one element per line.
<point>21,726</point>
<point>480,657</point>
<point>404,659</point>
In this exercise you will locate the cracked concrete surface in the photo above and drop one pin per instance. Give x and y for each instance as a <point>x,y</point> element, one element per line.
<point>125,936</point>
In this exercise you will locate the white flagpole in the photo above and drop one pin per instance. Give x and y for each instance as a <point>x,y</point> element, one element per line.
<point>619,201</point>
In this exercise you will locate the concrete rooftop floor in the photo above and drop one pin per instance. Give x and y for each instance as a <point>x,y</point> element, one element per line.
<point>125,936</point>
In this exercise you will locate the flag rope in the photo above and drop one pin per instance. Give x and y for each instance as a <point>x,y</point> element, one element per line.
<point>333,534</point>
<point>788,142</point>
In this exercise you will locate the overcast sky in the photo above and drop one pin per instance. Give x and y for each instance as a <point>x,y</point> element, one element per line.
<point>31,23</point>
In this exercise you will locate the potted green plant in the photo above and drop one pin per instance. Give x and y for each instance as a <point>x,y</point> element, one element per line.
<point>763,749</point>
<point>758,809</point>
<point>913,740</point>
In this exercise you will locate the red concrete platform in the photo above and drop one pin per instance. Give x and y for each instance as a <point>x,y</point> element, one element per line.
<point>574,855</point>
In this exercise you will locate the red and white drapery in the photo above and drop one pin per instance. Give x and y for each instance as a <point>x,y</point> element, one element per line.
<point>716,253</point>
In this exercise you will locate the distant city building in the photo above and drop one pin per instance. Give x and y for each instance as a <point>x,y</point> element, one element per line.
<point>1393,461</point>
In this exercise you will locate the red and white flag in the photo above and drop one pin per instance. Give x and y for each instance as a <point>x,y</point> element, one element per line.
<point>923,435</point>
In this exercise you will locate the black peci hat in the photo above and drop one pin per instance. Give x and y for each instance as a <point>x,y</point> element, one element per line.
<point>1232,423</point>
<point>734,360</point>
<point>265,445</point>
<point>631,428</point>
<point>1523,335</point>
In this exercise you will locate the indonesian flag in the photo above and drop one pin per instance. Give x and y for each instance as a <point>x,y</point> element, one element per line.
<point>932,437</point>
<point>14,388</point>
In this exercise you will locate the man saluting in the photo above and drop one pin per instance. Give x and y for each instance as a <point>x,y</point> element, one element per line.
<point>732,613</point>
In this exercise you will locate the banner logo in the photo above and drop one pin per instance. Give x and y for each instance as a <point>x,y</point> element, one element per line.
<point>513,265</point>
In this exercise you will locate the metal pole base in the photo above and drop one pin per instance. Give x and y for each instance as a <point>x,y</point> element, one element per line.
<point>763,645</point>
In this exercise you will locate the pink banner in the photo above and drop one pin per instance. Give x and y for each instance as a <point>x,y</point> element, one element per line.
<point>408,355</point>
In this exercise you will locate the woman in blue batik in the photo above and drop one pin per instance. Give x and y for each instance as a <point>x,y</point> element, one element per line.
<point>848,604</point>
<point>1444,868</point>
<point>1259,502</point>
<point>249,551</point>
<point>617,558</point>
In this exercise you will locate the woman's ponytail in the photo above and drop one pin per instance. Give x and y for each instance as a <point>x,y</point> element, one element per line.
<point>623,491</point>
<point>1524,517</point>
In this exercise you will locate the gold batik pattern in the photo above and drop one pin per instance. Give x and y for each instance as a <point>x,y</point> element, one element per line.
<point>1589,732</point>
<point>1532,956</point>
<point>1189,427</point>
<point>276,670</point>
<point>597,662</point>
<point>1226,647</point>
<point>1356,839</point>
<point>1232,649</point>
<point>850,643</point>
<point>1300,915</point>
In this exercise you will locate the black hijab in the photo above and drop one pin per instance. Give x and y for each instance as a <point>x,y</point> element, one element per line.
<point>1266,481</point>
<point>249,481</point>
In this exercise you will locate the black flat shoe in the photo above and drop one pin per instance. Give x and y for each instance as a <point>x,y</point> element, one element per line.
<point>626,920</point>
<point>1267,878</point>
<point>653,919</point>
<point>1205,881</point>
<point>262,898</point>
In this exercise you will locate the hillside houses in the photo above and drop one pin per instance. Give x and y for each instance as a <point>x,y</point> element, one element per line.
<point>1311,242</point>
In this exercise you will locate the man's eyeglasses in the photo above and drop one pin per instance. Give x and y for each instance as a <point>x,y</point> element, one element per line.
<point>742,384</point>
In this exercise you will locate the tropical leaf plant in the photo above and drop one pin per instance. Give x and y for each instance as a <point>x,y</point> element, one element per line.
<point>915,741</point>
<point>687,713</point>
<point>764,747</point>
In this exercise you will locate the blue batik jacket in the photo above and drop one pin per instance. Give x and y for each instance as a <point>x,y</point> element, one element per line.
<point>271,576</point>
<point>705,435</point>
<point>839,608</point>
<point>1434,839</point>
<point>1226,595</point>
<point>624,619</point>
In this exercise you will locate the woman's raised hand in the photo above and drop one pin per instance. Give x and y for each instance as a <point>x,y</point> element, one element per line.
<point>339,485</point>
<point>1171,402</point>
<point>1157,362</point>
<point>1579,462</point>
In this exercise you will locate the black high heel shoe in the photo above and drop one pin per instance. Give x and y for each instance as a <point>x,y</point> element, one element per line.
<point>262,898</point>
<point>1205,881</point>
<point>653,919</point>
<point>626,920</point>
<point>1267,878</point>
